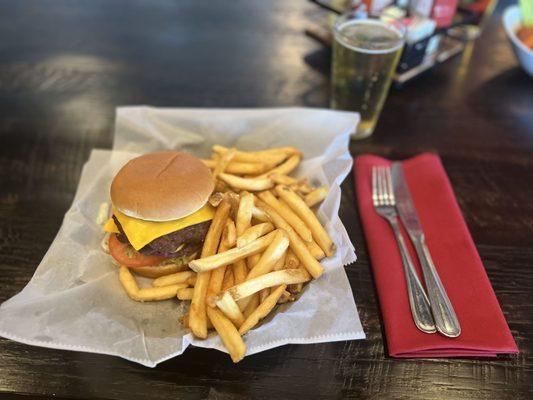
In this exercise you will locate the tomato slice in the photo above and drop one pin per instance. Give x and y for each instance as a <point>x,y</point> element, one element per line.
<point>128,256</point>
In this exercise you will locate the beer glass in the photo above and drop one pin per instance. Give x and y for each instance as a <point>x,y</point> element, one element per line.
<point>365,54</point>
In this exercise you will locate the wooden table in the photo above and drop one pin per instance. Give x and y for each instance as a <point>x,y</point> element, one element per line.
<point>64,67</point>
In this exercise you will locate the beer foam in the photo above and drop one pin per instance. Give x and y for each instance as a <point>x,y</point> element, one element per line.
<point>370,25</point>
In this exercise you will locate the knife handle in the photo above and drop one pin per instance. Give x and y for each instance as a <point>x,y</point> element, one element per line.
<point>420,307</point>
<point>445,318</point>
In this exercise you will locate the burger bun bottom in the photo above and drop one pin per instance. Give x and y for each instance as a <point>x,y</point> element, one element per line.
<point>155,271</point>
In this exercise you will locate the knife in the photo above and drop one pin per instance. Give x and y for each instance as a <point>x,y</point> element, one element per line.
<point>446,320</point>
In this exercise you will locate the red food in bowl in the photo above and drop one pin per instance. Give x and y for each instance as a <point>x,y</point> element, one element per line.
<point>525,34</point>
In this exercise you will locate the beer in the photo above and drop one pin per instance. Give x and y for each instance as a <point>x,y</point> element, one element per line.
<point>365,55</point>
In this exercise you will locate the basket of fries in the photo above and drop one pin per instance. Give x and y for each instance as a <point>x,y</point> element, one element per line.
<point>269,272</point>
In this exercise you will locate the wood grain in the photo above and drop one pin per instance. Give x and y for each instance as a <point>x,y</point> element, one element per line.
<point>64,67</point>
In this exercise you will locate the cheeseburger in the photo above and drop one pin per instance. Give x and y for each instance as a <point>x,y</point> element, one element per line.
<point>161,213</point>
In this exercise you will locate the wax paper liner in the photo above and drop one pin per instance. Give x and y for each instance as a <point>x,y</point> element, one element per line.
<point>74,300</point>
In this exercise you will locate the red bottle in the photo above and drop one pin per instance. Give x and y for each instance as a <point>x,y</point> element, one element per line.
<point>442,11</point>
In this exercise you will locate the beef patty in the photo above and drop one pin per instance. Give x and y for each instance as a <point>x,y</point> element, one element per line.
<point>191,237</point>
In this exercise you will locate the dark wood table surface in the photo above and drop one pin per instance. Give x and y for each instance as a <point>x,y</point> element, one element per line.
<point>66,64</point>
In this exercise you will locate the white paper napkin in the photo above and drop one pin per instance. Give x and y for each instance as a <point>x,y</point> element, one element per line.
<point>75,302</point>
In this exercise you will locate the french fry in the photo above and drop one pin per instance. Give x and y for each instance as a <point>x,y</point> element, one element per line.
<point>228,333</point>
<point>185,293</point>
<point>287,150</point>
<point>262,310</point>
<point>214,234</point>
<point>296,243</point>
<point>252,260</point>
<point>291,261</point>
<point>288,215</point>
<point>234,200</point>
<point>229,236</point>
<point>229,307</point>
<point>259,215</point>
<point>263,294</point>
<point>128,282</point>
<point>304,212</point>
<point>223,161</point>
<point>281,179</point>
<point>254,232</point>
<point>244,213</point>
<point>251,184</point>
<point>239,271</point>
<point>229,279</point>
<point>197,311</point>
<point>285,168</point>
<point>249,304</point>
<point>270,156</point>
<point>216,198</point>
<point>184,320</point>
<point>302,188</point>
<point>280,264</point>
<point>273,253</point>
<point>287,296</point>
<point>244,303</point>
<point>146,294</point>
<point>315,250</point>
<point>316,196</point>
<point>240,168</point>
<point>229,257</point>
<point>221,186</point>
<point>172,279</point>
<point>216,280</point>
<point>281,277</point>
<point>296,288</point>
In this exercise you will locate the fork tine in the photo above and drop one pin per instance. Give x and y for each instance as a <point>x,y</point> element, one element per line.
<point>374,186</point>
<point>378,184</point>
<point>385,196</point>
<point>381,188</point>
<point>392,200</point>
<point>386,186</point>
<point>378,191</point>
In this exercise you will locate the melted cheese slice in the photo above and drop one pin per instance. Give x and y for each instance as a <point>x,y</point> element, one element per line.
<point>141,232</point>
<point>110,226</point>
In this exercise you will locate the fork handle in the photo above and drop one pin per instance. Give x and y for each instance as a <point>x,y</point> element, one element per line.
<point>443,312</point>
<point>420,307</point>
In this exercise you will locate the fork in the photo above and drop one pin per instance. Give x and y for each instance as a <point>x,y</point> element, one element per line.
<point>385,205</point>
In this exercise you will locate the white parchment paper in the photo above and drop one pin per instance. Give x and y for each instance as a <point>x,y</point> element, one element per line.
<point>74,301</point>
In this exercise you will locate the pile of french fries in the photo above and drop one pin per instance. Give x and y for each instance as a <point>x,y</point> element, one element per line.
<point>263,244</point>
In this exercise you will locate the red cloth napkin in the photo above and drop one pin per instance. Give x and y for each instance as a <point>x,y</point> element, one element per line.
<point>484,330</point>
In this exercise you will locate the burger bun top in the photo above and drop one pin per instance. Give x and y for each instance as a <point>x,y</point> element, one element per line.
<point>162,186</point>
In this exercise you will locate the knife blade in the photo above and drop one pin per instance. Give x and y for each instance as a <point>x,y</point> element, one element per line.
<point>404,203</point>
<point>445,317</point>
